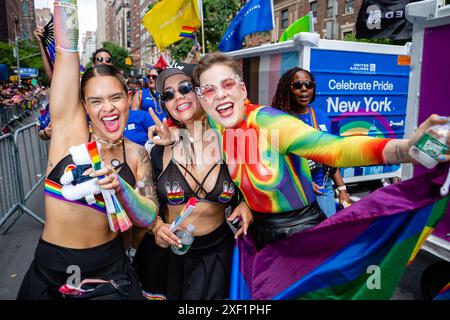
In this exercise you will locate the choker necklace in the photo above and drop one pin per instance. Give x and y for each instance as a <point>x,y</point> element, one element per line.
<point>107,143</point>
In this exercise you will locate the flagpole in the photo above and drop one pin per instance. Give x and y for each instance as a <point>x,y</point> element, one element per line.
<point>200,10</point>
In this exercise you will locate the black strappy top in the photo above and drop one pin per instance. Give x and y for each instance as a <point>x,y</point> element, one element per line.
<point>53,184</point>
<point>173,188</point>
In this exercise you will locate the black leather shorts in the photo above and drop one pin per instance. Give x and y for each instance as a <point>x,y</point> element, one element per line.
<point>267,228</point>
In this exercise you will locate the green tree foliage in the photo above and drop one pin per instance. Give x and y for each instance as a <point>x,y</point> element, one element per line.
<point>119,55</point>
<point>29,54</point>
<point>217,17</point>
<point>380,41</point>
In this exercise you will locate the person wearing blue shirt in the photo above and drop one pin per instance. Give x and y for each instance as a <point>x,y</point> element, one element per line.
<point>137,126</point>
<point>148,97</point>
<point>295,91</point>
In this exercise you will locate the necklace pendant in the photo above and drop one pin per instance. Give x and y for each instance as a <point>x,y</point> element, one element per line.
<point>115,163</point>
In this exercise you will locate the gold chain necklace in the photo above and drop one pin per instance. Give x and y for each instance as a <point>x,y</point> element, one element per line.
<point>105,142</point>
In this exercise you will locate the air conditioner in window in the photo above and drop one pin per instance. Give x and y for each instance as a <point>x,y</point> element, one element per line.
<point>349,10</point>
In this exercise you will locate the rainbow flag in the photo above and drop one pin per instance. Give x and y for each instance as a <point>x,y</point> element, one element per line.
<point>444,294</point>
<point>359,253</point>
<point>187,32</point>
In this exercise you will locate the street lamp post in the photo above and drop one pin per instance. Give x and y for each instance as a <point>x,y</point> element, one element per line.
<point>16,43</point>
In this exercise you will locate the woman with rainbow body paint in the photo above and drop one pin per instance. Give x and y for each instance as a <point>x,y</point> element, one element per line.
<point>259,143</point>
<point>295,91</point>
<point>203,273</point>
<point>76,234</point>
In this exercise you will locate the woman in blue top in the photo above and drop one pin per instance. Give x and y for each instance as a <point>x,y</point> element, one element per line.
<point>295,91</point>
<point>148,97</point>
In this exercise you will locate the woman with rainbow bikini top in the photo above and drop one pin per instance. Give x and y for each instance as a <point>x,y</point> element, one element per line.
<point>76,234</point>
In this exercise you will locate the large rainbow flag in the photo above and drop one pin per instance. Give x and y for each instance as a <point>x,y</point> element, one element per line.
<point>359,253</point>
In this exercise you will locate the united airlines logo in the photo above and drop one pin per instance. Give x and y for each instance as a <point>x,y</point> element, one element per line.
<point>364,67</point>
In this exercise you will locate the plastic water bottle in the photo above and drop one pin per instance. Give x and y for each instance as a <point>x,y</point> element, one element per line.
<point>186,236</point>
<point>431,145</point>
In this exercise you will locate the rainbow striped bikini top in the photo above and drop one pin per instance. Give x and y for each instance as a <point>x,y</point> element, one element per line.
<point>53,186</point>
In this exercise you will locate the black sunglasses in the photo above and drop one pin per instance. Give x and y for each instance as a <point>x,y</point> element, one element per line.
<point>183,88</point>
<point>100,59</point>
<point>153,76</point>
<point>299,84</point>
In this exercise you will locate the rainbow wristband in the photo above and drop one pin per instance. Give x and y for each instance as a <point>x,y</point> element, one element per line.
<point>140,210</point>
<point>66,25</point>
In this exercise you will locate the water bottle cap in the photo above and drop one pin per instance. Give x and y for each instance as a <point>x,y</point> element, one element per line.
<point>190,228</point>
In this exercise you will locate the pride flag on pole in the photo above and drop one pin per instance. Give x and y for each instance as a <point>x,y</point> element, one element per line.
<point>187,32</point>
<point>304,24</point>
<point>167,18</point>
<point>360,252</point>
<point>255,16</point>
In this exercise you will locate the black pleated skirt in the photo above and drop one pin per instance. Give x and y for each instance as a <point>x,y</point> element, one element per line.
<point>51,264</point>
<point>203,273</point>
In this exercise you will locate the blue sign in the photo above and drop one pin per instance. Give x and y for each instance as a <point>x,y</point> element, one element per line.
<point>28,72</point>
<point>363,94</point>
<point>3,72</point>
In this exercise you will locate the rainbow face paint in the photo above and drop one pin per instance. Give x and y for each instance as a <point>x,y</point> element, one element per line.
<point>266,157</point>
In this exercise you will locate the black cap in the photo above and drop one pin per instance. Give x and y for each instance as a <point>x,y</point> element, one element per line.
<point>174,69</point>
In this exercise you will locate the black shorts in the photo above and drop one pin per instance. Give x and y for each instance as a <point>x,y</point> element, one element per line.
<point>48,271</point>
<point>203,273</point>
<point>267,228</point>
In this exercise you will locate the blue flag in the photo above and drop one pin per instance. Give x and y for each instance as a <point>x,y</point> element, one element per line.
<point>255,16</point>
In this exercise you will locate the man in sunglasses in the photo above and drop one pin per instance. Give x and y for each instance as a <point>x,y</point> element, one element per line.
<point>102,56</point>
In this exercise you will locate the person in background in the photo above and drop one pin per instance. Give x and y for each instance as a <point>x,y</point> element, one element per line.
<point>137,126</point>
<point>296,90</point>
<point>148,97</point>
<point>43,124</point>
<point>102,56</point>
<point>134,86</point>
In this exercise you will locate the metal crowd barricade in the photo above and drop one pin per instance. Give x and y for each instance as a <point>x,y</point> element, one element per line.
<point>9,194</point>
<point>24,170</point>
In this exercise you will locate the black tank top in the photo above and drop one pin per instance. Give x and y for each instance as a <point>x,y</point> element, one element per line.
<point>173,188</point>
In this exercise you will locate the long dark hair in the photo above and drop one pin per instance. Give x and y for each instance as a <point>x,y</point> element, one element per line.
<point>283,96</point>
<point>101,70</point>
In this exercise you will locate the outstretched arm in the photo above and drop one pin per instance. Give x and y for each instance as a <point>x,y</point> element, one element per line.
<point>396,151</point>
<point>293,136</point>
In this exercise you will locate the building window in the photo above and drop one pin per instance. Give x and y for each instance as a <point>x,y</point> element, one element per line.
<point>330,8</point>
<point>313,8</point>
<point>25,8</point>
<point>284,19</point>
<point>349,6</point>
<point>347,34</point>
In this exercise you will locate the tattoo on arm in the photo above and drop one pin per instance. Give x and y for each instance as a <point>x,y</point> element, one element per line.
<point>149,190</point>
<point>400,155</point>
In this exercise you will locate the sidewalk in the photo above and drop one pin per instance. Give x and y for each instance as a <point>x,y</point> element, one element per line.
<point>18,245</point>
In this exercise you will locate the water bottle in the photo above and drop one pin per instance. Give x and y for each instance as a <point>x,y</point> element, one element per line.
<point>186,236</point>
<point>430,145</point>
